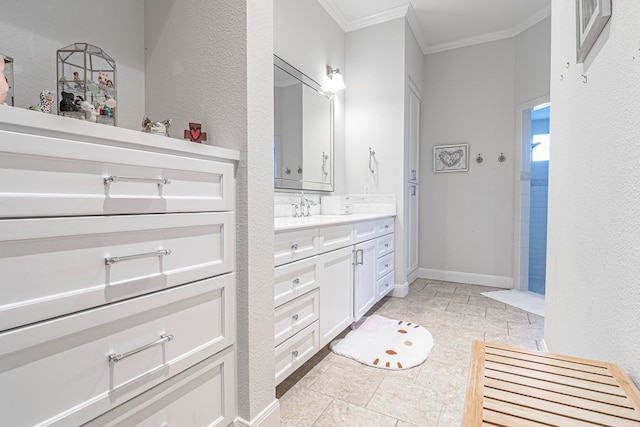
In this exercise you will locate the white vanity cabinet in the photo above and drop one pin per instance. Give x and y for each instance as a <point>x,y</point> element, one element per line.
<point>118,290</point>
<point>342,267</point>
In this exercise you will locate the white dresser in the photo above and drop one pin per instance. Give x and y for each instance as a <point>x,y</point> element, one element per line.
<point>329,271</point>
<point>117,290</point>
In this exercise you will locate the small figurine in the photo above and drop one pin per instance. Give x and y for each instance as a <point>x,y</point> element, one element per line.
<point>66,103</point>
<point>4,84</point>
<point>89,112</point>
<point>160,128</point>
<point>46,99</point>
<point>195,133</point>
<point>76,76</point>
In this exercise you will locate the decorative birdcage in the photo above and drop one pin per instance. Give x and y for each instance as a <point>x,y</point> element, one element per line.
<point>8,74</point>
<point>86,73</point>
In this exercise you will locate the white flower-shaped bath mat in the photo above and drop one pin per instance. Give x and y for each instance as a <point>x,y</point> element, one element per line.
<point>385,343</point>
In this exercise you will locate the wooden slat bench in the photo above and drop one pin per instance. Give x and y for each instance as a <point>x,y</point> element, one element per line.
<point>511,386</point>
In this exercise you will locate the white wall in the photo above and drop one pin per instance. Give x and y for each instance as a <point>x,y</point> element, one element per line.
<point>220,72</point>
<point>309,39</point>
<point>31,33</point>
<point>593,244</point>
<point>466,218</point>
<point>533,59</point>
<point>470,96</point>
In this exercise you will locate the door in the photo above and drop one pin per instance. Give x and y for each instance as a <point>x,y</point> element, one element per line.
<point>365,281</point>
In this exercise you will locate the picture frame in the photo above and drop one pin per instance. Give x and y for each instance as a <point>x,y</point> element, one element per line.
<point>451,158</point>
<point>591,18</point>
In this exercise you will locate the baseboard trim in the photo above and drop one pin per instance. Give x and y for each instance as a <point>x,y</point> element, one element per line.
<point>470,278</point>
<point>269,417</point>
<point>413,275</point>
<point>400,291</point>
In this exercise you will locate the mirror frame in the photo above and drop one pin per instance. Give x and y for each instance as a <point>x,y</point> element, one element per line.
<point>295,184</point>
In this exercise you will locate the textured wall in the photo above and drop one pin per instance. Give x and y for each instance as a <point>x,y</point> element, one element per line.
<point>211,62</point>
<point>31,33</point>
<point>593,271</point>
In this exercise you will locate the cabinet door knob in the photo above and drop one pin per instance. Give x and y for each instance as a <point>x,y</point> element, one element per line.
<point>294,353</point>
<point>386,266</point>
<point>294,246</point>
<point>386,226</point>
<point>296,281</point>
<point>294,317</point>
<point>386,245</point>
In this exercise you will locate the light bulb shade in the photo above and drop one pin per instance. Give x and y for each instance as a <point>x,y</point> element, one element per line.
<point>334,81</point>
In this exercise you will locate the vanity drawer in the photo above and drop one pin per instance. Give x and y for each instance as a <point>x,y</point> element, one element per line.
<point>76,353</point>
<point>42,176</point>
<point>364,231</point>
<point>295,279</point>
<point>385,226</point>
<point>385,265</point>
<point>385,245</point>
<point>295,316</point>
<point>291,354</point>
<point>335,237</point>
<point>385,285</point>
<point>295,245</point>
<point>203,395</point>
<point>58,265</point>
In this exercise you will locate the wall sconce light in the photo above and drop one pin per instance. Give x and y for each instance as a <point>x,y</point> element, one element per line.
<point>335,81</point>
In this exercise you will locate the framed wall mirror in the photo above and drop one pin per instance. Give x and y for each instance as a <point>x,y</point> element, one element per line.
<point>303,131</point>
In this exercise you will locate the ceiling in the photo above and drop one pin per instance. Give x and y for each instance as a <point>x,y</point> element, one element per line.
<point>443,24</point>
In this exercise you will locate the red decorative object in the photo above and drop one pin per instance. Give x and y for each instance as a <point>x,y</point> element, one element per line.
<point>194,133</point>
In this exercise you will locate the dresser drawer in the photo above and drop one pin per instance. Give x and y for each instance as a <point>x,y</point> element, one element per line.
<point>385,245</point>
<point>385,265</point>
<point>57,265</point>
<point>295,316</point>
<point>77,353</point>
<point>385,285</point>
<point>294,279</point>
<point>385,226</point>
<point>42,176</point>
<point>203,395</point>
<point>335,237</point>
<point>295,245</point>
<point>364,231</point>
<point>291,354</point>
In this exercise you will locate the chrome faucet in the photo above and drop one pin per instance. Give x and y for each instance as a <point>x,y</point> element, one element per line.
<point>305,203</point>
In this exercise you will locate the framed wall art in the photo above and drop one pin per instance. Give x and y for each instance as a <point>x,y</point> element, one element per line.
<point>451,158</point>
<point>591,17</point>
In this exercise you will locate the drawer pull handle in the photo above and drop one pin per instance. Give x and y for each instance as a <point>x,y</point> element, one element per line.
<point>113,178</point>
<point>294,317</point>
<point>386,226</point>
<point>295,353</point>
<point>294,246</point>
<point>296,281</point>
<point>386,266</point>
<point>386,245</point>
<point>114,358</point>
<point>386,285</point>
<point>113,259</point>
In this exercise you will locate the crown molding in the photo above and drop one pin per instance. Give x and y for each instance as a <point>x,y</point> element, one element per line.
<point>532,20</point>
<point>498,35</point>
<point>409,14</point>
<point>335,13</point>
<point>485,38</point>
<point>414,24</point>
<point>377,18</point>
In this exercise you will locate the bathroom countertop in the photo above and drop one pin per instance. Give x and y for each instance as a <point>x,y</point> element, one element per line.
<point>292,223</point>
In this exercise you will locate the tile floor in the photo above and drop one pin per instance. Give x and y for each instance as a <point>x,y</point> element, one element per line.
<point>331,390</point>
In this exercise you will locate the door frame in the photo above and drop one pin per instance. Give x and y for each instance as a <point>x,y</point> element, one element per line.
<point>521,204</point>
